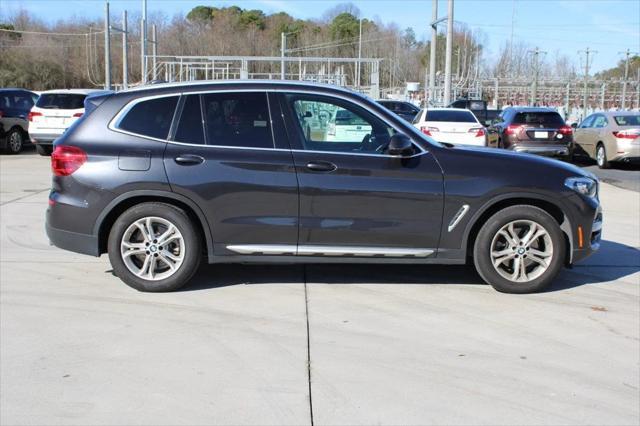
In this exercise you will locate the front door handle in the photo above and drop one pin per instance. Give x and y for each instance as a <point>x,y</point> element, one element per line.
<point>189,160</point>
<point>321,166</point>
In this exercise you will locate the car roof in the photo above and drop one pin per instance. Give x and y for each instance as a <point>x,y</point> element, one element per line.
<point>532,109</point>
<point>11,89</point>
<point>618,113</point>
<point>71,91</point>
<point>449,109</point>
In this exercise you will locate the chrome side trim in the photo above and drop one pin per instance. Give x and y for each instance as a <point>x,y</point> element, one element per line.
<point>263,248</point>
<point>318,250</point>
<point>458,217</point>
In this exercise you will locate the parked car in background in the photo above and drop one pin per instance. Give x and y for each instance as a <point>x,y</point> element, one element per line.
<point>610,136</point>
<point>534,130</point>
<point>15,105</point>
<point>451,125</point>
<point>345,125</point>
<point>164,176</point>
<point>404,109</point>
<point>53,113</point>
<point>479,108</point>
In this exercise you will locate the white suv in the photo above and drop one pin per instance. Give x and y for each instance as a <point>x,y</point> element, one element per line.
<point>53,113</point>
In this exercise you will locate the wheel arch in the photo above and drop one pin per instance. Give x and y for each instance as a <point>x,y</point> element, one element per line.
<point>493,206</point>
<point>116,207</point>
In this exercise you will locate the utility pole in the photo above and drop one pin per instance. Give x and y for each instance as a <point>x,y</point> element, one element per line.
<point>432,55</point>
<point>586,78</point>
<point>626,77</point>
<point>449,49</point>
<point>107,48</point>
<point>123,30</point>
<point>603,91</point>
<point>143,43</point>
<point>359,54</point>
<point>154,50</point>
<point>283,47</point>
<point>536,73</point>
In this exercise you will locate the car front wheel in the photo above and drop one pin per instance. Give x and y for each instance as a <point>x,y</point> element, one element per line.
<point>520,249</point>
<point>15,141</point>
<point>154,247</point>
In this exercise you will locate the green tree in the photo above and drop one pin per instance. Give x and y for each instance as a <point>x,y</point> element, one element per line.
<point>345,25</point>
<point>201,14</point>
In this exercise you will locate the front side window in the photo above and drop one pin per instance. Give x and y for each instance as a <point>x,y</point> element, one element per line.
<point>150,117</point>
<point>328,125</point>
<point>586,123</point>
<point>238,119</point>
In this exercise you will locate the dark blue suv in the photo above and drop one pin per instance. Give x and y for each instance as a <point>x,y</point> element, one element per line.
<point>15,105</point>
<point>164,176</point>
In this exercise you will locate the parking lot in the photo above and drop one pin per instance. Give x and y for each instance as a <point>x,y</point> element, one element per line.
<point>311,344</point>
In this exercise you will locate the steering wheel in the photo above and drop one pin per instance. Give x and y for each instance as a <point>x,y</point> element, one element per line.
<point>382,148</point>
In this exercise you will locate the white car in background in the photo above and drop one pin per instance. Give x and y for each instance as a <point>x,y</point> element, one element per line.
<point>451,125</point>
<point>346,126</point>
<point>53,113</point>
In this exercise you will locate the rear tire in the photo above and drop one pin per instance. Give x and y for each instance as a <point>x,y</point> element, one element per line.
<point>601,157</point>
<point>45,151</point>
<point>163,259</point>
<point>524,264</point>
<point>15,141</point>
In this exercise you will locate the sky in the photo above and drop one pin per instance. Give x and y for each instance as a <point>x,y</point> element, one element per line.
<point>555,26</point>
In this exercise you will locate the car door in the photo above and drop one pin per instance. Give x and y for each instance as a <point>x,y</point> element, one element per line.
<point>355,199</point>
<point>223,156</point>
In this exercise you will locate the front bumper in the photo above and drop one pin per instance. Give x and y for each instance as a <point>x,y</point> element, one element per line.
<point>586,228</point>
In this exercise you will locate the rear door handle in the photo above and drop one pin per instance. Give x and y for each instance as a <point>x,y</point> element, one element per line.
<point>189,160</point>
<point>321,166</point>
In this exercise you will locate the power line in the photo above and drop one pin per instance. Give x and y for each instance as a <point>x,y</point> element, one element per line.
<point>44,33</point>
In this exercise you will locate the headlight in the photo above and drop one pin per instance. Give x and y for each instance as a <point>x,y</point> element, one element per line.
<point>583,185</point>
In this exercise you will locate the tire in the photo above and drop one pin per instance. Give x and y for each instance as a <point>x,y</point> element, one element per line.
<point>45,151</point>
<point>14,141</point>
<point>601,157</point>
<point>491,240</point>
<point>183,244</point>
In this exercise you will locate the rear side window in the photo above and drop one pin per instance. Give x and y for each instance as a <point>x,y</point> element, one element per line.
<point>61,101</point>
<point>190,127</point>
<point>151,117</point>
<point>451,116</point>
<point>238,119</point>
<point>16,101</point>
<point>627,120</point>
<point>546,119</point>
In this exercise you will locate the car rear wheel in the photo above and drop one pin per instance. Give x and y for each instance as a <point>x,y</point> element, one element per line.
<point>15,141</point>
<point>45,151</point>
<point>520,249</point>
<point>601,157</point>
<point>154,247</point>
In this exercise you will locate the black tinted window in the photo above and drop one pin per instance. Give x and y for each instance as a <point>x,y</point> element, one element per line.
<point>150,118</point>
<point>546,119</point>
<point>449,115</point>
<point>18,101</point>
<point>61,101</point>
<point>238,119</point>
<point>190,128</point>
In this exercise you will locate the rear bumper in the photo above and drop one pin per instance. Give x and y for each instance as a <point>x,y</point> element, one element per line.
<point>42,138</point>
<point>548,150</point>
<point>73,241</point>
<point>630,153</point>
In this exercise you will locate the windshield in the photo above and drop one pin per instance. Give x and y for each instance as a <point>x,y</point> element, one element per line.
<point>61,101</point>
<point>546,119</point>
<point>627,120</point>
<point>451,116</point>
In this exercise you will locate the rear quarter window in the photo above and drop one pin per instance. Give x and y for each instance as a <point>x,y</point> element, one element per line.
<point>61,101</point>
<point>150,117</point>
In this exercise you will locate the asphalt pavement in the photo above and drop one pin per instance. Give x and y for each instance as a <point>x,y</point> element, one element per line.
<point>321,344</point>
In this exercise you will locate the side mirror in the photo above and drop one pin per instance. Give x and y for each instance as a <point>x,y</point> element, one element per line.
<point>400,146</point>
<point>574,125</point>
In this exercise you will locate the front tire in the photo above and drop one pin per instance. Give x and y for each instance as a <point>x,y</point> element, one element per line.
<point>520,249</point>
<point>154,247</point>
<point>601,157</point>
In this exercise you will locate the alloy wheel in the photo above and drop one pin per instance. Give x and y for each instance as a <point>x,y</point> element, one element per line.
<point>152,248</point>
<point>521,251</point>
<point>15,141</point>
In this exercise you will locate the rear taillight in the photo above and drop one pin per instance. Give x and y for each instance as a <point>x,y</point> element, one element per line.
<point>33,114</point>
<point>566,130</point>
<point>1,113</point>
<point>512,129</point>
<point>627,134</point>
<point>427,130</point>
<point>479,131</point>
<point>67,159</point>
<point>77,114</point>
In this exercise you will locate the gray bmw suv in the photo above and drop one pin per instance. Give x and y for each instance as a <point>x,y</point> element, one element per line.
<point>162,177</point>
